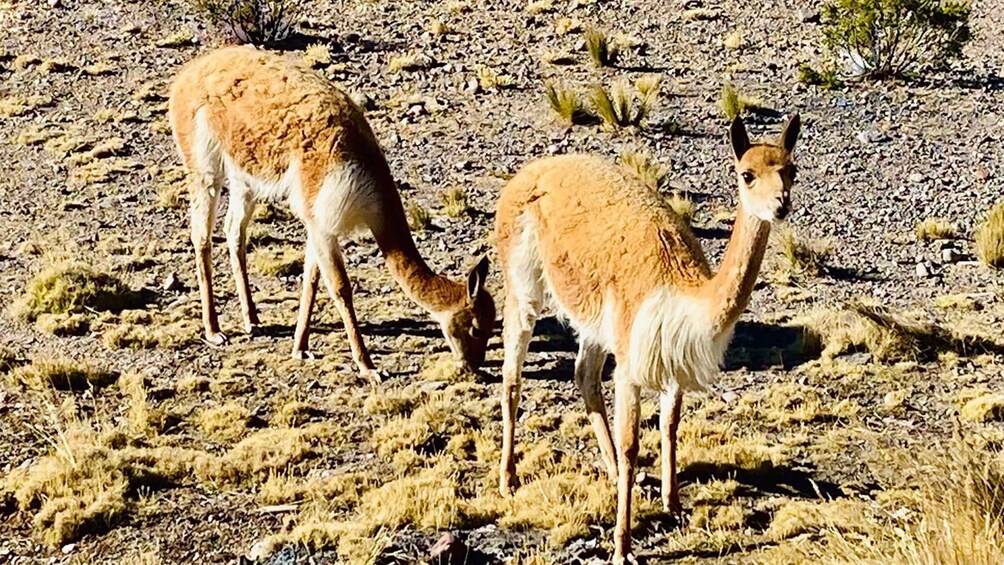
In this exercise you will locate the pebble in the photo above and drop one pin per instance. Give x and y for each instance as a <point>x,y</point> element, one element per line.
<point>922,270</point>
<point>915,178</point>
<point>729,397</point>
<point>807,15</point>
<point>68,548</point>
<point>172,283</point>
<point>950,255</point>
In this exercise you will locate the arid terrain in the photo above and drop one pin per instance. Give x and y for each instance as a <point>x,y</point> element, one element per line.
<point>863,394</point>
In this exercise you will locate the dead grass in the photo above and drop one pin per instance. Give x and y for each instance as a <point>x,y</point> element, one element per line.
<point>797,257</point>
<point>989,236</point>
<point>565,102</point>
<point>63,324</point>
<point>648,170</point>
<point>426,430</point>
<point>733,103</point>
<point>984,408</point>
<point>224,423</point>
<point>931,229</point>
<point>414,61</point>
<point>19,105</point>
<point>619,107</point>
<point>602,51</point>
<point>682,206</point>
<point>490,79</point>
<point>74,288</point>
<point>419,218</point>
<point>63,373</point>
<point>888,336</point>
<point>806,516</point>
<point>455,202</point>
<point>317,56</point>
<point>564,504</point>
<point>444,367</point>
<point>142,417</point>
<point>791,403</point>
<point>282,261</point>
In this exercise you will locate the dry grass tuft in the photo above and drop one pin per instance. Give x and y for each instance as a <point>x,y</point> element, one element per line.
<point>61,374</point>
<point>601,49</point>
<point>797,257</point>
<point>931,229</point>
<point>683,206</point>
<point>805,516</point>
<point>419,218</point>
<point>565,26</point>
<point>455,202</point>
<point>414,61</point>
<point>734,103</point>
<point>63,324</point>
<point>284,261</point>
<point>224,423</point>
<point>142,417</point>
<point>887,336</point>
<point>489,79</point>
<point>317,56</point>
<point>983,408</point>
<point>620,107</point>
<point>564,504</point>
<point>790,403</point>
<point>989,236</point>
<point>647,169</point>
<point>74,288</point>
<point>444,367</point>
<point>18,105</point>
<point>182,37</point>
<point>426,430</point>
<point>565,102</point>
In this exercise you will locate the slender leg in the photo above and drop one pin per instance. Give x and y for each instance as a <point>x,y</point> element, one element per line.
<point>311,274</point>
<point>239,213</point>
<point>669,421</point>
<point>588,376</point>
<point>517,330</point>
<point>627,397</point>
<point>205,194</point>
<point>332,270</point>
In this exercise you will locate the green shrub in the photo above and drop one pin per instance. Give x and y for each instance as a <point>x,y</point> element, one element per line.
<point>258,22</point>
<point>886,38</point>
<point>825,78</point>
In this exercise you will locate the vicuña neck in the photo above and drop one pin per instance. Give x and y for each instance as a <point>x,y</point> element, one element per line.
<point>432,291</point>
<point>731,287</point>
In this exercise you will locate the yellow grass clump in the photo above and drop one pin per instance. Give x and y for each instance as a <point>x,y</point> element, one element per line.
<point>931,229</point>
<point>989,237</point>
<point>224,423</point>
<point>283,261</point>
<point>44,373</point>
<point>74,288</point>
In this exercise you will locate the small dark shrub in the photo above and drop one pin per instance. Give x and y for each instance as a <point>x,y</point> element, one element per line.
<point>825,78</point>
<point>886,38</point>
<point>258,22</point>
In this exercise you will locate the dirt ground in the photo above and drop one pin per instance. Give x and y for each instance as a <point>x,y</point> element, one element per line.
<point>800,441</point>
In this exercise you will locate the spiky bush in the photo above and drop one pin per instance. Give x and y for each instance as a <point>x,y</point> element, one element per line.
<point>886,38</point>
<point>620,107</point>
<point>258,22</point>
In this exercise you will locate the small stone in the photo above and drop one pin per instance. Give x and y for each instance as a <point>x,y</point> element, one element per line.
<point>922,270</point>
<point>473,86</point>
<point>950,255</point>
<point>729,397</point>
<point>68,548</point>
<point>172,283</point>
<point>807,15</point>
<point>982,174</point>
<point>463,165</point>
<point>915,178</point>
<point>55,4</point>
<point>449,550</point>
<point>362,100</point>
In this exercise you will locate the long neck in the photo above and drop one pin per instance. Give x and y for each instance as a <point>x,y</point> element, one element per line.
<point>432,291</point>
<point>731,287</point>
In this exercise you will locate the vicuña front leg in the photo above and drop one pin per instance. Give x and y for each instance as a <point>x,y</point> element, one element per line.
<point>588,376</point>
<point>311,276</point>
<point>332,269</point>
<point>627,397</point>
<point>669,423</point>
<point>517,330</point>
<point>239,212</point>
<point>205,193</point>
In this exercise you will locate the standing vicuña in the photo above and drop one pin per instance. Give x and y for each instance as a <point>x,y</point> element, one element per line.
<point>277,130</point>
<point>632,280</point>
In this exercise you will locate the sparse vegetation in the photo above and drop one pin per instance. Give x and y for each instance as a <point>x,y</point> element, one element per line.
<point>825,78</point>
<point>734,103</point>
<point>798,257</point>
<point>620,107</point>
<point>886,38</point>
<point>683,206</point>
<point>989,237</point>
<point>419,218</point>
<point>601,49</point>
<point>455,202</point>
<point>931,229</point>
<point>565,102</point>
<point>75,288</point>
<point>282,261</point>
<point>258,22</point>
<point>61,374</point>
<point>650,172</point>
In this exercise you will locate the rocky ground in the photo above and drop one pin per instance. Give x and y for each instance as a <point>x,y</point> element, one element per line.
<point>90,175</point>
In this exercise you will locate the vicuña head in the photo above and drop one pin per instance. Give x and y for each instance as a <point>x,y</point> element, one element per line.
<point>765,171</point>
<point>276,130</point>
<point>632,280</point>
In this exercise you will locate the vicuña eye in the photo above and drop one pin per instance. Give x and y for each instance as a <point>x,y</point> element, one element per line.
<point>748,177</point>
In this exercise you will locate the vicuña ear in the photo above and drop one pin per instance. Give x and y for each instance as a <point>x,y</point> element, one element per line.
<point>740,140</point>
<point>477,277</point>
<point>789,135</point>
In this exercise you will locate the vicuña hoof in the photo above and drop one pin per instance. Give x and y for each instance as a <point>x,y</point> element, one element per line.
<point>216,339</point>
<point>304,355</point>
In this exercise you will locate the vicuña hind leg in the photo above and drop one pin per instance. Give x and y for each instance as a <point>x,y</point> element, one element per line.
<point>626,401</point>
<point>311,275</point>
<point>669,422</point>
<point>332,269</point>
<point>239,212</point>
<point>588,376</point>
<point>517,330</point>
<point>205,194</point>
